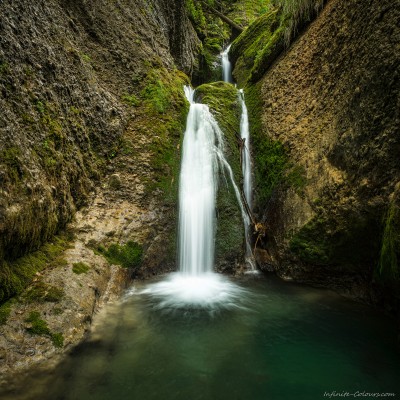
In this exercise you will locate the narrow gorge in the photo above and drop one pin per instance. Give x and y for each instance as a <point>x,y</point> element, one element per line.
<point>199,199</point>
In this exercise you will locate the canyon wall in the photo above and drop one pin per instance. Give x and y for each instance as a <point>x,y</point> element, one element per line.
<point>331,101</point>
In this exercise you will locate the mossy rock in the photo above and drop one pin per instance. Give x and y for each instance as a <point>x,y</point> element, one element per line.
<point>41,292</point>
<point>16,275</point>
<point>344,242</point>
<point>223,101</point>
<point>256,47</point>
<point>38,326</point>
<point>273,167</point>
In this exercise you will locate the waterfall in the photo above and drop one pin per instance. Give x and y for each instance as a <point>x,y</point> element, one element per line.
<point>196,285</point>
<point>246,170</point>
<point>246,160</point>
<point>226,66</point>
<point>197,190</point>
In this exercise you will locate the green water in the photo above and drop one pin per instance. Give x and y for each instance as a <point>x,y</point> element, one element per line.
<point>281,341</point>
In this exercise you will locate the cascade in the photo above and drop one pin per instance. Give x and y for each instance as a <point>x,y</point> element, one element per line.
<point>203,158</point>
<point>246,158</point>
<point>196,285</point>
<point>197,189</point>
<point>226,65</point>
<point>247,181</point>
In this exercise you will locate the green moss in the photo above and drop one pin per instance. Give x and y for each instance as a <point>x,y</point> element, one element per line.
<point>4,68</point>
<point>311,244</point>
<point>5,310</point>
<point>388,265</point>
<point>272,165</point>
<point>245,12</point>
<point>223,100</point>
<point>166,129</point>
<point>39,327</point>
<point>196,14</point>
<point>156,93</point>
<point>16,275</point>
<point>131,100</point>
<point>296,14</point>
<point>57,339</point>
<point>41,292</point>
<point>80,268</point>
<point>11,158</point>
<point>128,255</point>
<point>252,48</point>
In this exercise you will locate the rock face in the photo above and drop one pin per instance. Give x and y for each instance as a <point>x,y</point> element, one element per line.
<point>92,113</point>
<point>74,76</point>
<point>332,100</point>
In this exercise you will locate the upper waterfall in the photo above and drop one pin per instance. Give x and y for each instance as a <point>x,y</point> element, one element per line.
<point>226,65</point>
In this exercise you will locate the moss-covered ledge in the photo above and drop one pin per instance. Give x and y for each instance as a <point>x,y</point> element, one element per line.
<point>223,101</point>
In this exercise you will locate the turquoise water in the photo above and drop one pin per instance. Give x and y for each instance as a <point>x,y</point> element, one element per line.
<point>279,341</point>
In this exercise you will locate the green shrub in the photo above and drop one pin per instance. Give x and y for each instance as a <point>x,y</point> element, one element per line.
<point>80,268</point>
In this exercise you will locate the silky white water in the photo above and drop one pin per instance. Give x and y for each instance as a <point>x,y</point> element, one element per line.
<point>246,171</point>
<point>246,159</point>
<point>197,190</point>
<point>226,66</point>
<point>196,285</point>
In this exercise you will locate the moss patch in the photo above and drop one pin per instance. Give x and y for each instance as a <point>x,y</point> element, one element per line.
<point>5,310</point>
<point>272,165</point>
<point>16,275</point>
<point>128,255</point>
<point>80,268</point>
<point>252,50</point>
<point>256,48</point>
<point>11,157</point>
<point>311,244</point>
<point>163,117</point>
<point>39,327</point>
<point>41,292</point>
